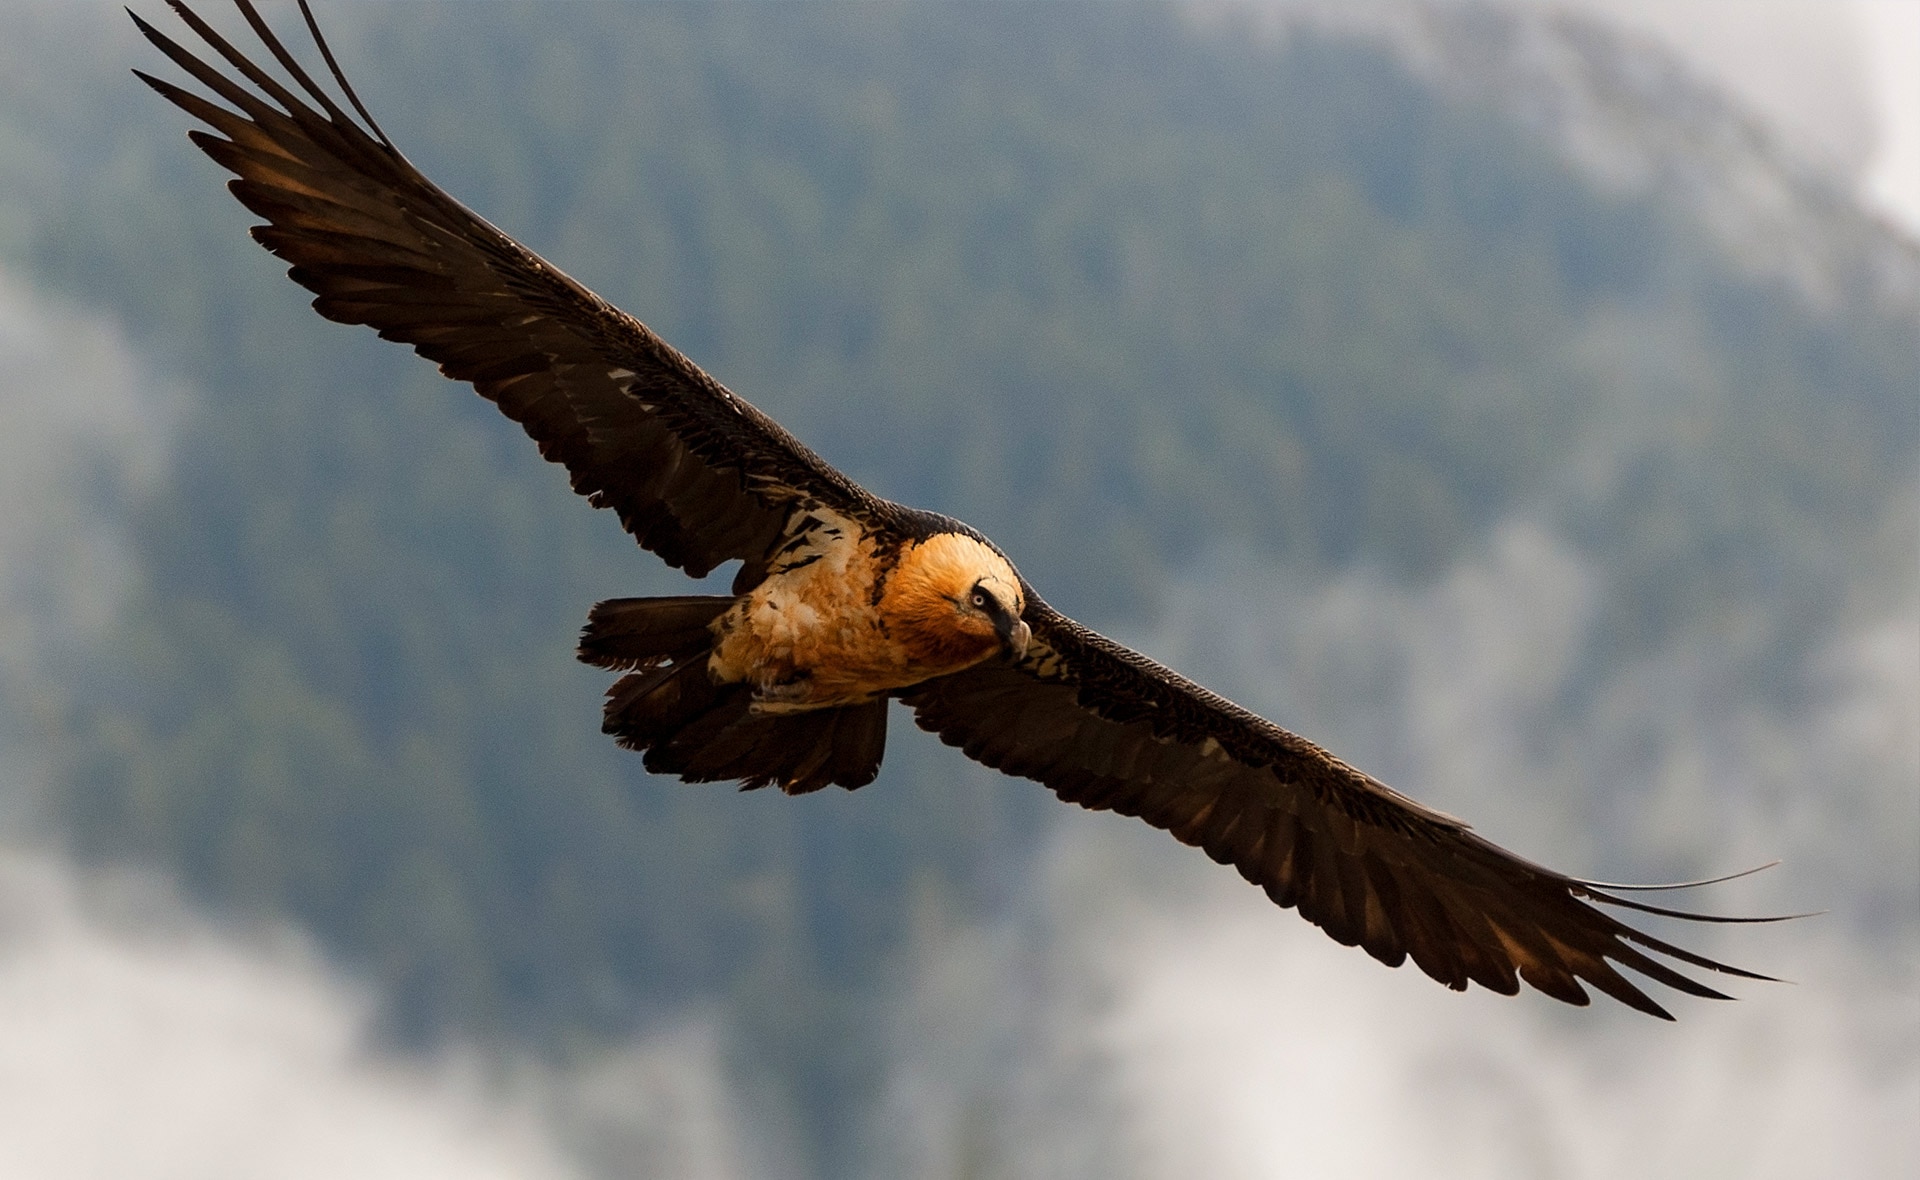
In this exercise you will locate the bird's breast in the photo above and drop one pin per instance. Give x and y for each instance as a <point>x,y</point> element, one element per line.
<point>814,633</point>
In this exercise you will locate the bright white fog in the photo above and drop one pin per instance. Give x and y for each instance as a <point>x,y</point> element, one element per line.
<point>144,1042</point>
<point>1891,31</point>
<point>1840,79</point>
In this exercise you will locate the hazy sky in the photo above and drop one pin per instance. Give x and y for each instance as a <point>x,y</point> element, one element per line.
<point>1841,78</point>
<point>1891,29</point>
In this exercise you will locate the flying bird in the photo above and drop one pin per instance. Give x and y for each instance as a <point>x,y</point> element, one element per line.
<point>845,602</point>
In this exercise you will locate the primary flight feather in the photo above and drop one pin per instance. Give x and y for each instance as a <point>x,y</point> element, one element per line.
<point>845,601</point>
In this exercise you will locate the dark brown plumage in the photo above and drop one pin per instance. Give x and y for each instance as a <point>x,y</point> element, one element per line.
<point>844,600</point>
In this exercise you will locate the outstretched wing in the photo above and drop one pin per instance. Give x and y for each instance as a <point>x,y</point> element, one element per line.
<point>1109,729</point>
<point>697,475</point>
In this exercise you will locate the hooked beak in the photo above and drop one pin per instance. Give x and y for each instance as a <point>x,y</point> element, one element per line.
<point>1014,635</point>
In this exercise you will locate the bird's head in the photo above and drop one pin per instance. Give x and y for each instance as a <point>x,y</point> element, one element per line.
<point>953,601</point>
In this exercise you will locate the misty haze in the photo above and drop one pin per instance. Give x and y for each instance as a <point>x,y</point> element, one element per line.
<point>1521,408</point>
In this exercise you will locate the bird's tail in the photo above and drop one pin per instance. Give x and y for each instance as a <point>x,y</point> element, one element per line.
<point>629,633</point>
<point>669,707</point>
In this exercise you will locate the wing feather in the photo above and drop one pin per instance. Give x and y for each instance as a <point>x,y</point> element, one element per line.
<point>695,473</point>
<point>700,477</point>
<point>1112,730</point>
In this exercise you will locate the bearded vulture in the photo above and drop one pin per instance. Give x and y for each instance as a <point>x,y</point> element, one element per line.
<point>845,601</point>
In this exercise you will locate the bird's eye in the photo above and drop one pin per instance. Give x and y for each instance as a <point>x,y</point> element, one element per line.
<point>980,599</point>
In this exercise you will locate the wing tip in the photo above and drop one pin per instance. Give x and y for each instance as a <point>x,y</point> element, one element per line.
<point>1674,885</point>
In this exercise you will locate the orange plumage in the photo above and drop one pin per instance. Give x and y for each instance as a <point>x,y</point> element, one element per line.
<point>815,633</point>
